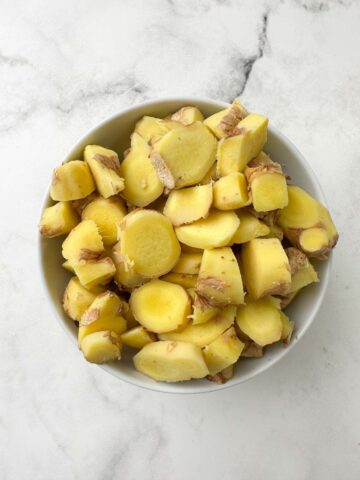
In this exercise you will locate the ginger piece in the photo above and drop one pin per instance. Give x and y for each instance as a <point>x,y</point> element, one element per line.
<point>84,242</point>
<point>220,279</point>
<point>187,115</point>
<point>107,213</point>
<point>104,313</point>
<point>260,320</point>
<point>307,224</point>
<point>81,203</point>
<point>245,143</point>
<point>188,204</point>
<point>302,272</point>
<point>287,328</point>
<point>274,232</point>
<point>101,347</point>
<point>68,266</point>
<point>222,377</point>
<point>184,155</point>
<point>171,361</point>
<point>217,230</point>
<point>202,309</point>
<point>77,298</point>
<point>188,263</point>
<point>204,333</point>
<point>222,352</point>
<point>151,127</point>
<point>94,272</point>
<point>137,337</point>
<point>252,350</point>
<point>265,267</point>
<point>105,167</point>
<point>267,184</point>
<point>148,243</point>
<point>57,220</point>
<point>250,227</point>
<point>285,300</point>
<point>183,279</point>
<point>142,185</point>
<point>160,306</point>
<point>71,181</point>
<point>230,192</point>
<point>223,123</point>
<point>125,276</point>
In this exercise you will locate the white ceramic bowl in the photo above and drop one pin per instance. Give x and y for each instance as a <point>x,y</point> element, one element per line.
<point>115,133</point>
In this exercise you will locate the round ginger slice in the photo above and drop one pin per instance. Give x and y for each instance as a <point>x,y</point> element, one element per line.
<point>148,243</point>
<point>160,306</point>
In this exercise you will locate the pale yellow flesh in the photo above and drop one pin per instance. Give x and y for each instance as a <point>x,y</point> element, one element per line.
<point>105,168</point>
<point>230,192</point>
<point>287,328</point>
<point>188,152</point>
<point>142,185</point>
<point>150,127</point>
<point>125,276</point>
<point>171,361</point>
<point>58,219</point>
<point>137,337</point>
<point>148,242</point>
<point>107,213</point>
<point>160,306</point>
<point>94,272</point>
<point>222,352</point>
<point>77,298</point>
<point>250,227</point>
<point>188,263</point>
<point>204,333</point>
<point>83,242</point>
<point>220,278</point>
<point>260,320</point>
<point>216,230</point>
<point>265,267</point>
<point>187,115</point>
<point>101,347</point>
<point>313,239</point>
<point>189,204</point>
<point>183,279</point>
<point>102,314</point>
<point>269,192</point>
<point>71,181</point>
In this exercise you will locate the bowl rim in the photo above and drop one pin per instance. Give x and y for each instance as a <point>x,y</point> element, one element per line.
<point>177,388</point>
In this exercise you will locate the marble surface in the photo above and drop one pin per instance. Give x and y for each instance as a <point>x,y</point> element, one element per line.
<point>66,65</point>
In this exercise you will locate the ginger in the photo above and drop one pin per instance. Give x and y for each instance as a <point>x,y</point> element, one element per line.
<point>230,192</point>
<point>307,224</point>
<point>183,279</point>
<point>250,227</point>
<point>105,167</point>
<point>223,123</point>
<point>151,127</point>
<point>125,276</point>
<point>188,204</point>
<point>302,272</point>
<point>161,306</point>
<point>71,181</point>
<point>94,272</point>
<point>101,347</point>
<point>223,351</point>
<point>265,267</point>
<point>137,337</point>
<point>187,115</point>
<point>84,242</point>
<point>267,184</point>
<point>77,298</point>
<point>57,220</point>
<point>222,377</point>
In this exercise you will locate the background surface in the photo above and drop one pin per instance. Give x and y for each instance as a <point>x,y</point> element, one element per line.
<point>66,65</point>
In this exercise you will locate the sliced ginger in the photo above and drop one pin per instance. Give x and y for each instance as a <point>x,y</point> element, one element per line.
<point>148,243</point>
<point>105,167</point>
<point>184,155</point>
<point>267,184</point>
<point>245,143</point>
<point>204,333</point>
<point>194,210</point>
<point>222,352</point>
<point>216,230</point>
<point>189,204</point>
<point>260,320</point>
<point>104,313</point>
<point>101,347</point>
<point>171,361</point>
<point>220,279</point>
<point>230,192</point>
<point>71,181</point>
<point>142,184</point>
<point>107,213</point>
<point>307,224</point>
<point>57,220</point>
<point>161,306</point>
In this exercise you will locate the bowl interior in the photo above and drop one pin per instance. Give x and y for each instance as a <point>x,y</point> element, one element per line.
<point>115,133</point>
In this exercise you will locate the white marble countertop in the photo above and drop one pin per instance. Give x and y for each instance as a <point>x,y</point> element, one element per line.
<point>66,65</point>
